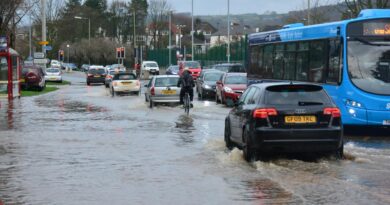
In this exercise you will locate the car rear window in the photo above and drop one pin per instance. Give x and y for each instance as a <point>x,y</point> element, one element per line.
<point>52,70</point>
<point>236,79</point>
<point>96,71</point>
<point>192,64</point>
<point>125,77</point>
<point>296,95</point>
<point>212,76</point>
<point>165,82</point>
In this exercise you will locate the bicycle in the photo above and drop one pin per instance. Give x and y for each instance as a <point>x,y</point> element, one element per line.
<point>187,103</point>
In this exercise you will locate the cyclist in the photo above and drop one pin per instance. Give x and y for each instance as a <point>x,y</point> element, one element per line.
<point>187,83</point>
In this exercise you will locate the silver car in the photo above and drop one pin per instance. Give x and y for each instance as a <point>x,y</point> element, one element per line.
<point>53,74</point>
<point>162,89</point>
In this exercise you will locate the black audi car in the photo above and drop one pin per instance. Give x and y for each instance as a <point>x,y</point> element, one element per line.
<point>284,117</point>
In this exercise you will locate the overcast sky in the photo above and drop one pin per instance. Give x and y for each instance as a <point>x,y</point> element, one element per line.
<point>219,7</point>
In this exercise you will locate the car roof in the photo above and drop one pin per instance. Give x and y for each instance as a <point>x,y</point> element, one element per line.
<point>235,74</point>
<point>229,64</point>
<point>268,84</point>
<point>166,76</point>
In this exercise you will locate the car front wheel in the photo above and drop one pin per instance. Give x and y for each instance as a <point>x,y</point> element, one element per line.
<point>227,134</point>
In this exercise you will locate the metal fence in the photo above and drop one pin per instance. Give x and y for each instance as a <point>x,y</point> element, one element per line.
<point>206,56</point>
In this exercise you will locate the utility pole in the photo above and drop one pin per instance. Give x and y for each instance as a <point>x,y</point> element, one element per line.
<point>170,37</point>
<point>135,48</point>
<point>308,12</point>
<point>192,30</point>
<point>43,13</point>
<point>228,45</point>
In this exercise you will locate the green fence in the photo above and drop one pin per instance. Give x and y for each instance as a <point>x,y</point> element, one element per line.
<point>207,57</point>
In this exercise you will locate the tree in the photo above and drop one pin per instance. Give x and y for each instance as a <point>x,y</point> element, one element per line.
<point>100,5</point>
<point>158,12</point>
<point>11,13</point>
<point>318,12</point>
<point>355,6</point>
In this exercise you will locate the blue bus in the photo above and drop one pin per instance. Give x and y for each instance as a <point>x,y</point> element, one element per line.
<point>350,58</point>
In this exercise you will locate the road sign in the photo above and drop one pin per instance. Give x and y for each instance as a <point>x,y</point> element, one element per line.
<point>39,55</point>
<point>41,61</point>
<point>43,42</point>
<point>48,48</point>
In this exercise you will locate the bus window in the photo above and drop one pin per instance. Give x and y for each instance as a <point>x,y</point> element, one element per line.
<point>289,62</point>
<point>302,66</point>
<point>268,61</point>
<point>317,61</point>
<point>254,68</point>
<point>334,61</point>
<point>279,62</point>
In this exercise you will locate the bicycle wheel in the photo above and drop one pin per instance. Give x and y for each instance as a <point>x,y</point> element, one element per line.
<point>187,103</point>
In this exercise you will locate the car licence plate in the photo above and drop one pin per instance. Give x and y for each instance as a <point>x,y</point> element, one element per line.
<point>168,92</point>
<point>386,122</point>
<point>96,76</point>
<point>300,119</point>
<point>53,78</point>
<point>126,83</point>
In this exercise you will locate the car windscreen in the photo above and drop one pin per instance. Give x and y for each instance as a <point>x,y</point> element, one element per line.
<point>151,65</point>
<point>125,77</point>
<point>296,95</point>
<point>212,76</point>
<point>96,71</point>
<point>192,64</point>
<point>165,82</point>
<point>236,79</point>
<point>52,70</point>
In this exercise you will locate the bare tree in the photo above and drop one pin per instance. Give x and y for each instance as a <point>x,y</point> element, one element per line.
<point>318,12</point>
<point>158,12</point>
<point>355,6</point>
<point>11,13</point>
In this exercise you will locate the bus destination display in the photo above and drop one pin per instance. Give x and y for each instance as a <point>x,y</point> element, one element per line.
<point>376,28</point>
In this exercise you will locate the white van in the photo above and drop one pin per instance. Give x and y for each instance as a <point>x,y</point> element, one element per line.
<point>151,66</point>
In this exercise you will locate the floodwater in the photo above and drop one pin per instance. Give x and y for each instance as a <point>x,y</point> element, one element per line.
<point>78,145</point>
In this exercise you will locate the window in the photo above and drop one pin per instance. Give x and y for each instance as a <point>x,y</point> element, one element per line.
<point>14,60</point>
<point>317,63</point>
<point>302,62</point>
<point>165,82</point>
<point>289,61</point>
<point>249,96</point>
<point>278,70</point>
<point>3,69</point>
<point>253,67</point>
<point>296,95</point>
<point>334,68</point>
<point>268,61</point>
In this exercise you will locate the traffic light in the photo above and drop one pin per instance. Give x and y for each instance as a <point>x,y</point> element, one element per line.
<point>118,53</point>
<point>61,55</point>
<point>122,52</point>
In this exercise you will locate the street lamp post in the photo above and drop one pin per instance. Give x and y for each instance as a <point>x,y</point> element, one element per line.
<point>228,44</point>
<point>170,38</point>
<point>192,30</point>
<point>89,32</point>
<point>68,52</point>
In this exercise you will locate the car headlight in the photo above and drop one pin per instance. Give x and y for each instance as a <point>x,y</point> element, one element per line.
<point>354,103</point>
<point>206,86</point>
<point>228,90</point>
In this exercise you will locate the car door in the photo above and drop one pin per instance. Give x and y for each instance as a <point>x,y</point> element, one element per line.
<point>149,85</point>
<point>249,105</point>
<point>235,126</point>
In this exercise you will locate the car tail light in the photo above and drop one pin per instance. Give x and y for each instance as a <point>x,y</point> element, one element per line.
<point>152,91</point>
<point>109,76</point>
<point>335,112</point>
<point>263,113</point>
<point>90,75</point>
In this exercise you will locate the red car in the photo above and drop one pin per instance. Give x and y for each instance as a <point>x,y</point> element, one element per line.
<point>193,66</point>
<point>230,88</point>
<point>33,77</point>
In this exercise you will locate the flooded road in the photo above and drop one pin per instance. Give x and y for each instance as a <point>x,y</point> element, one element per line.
<point>79,145</point>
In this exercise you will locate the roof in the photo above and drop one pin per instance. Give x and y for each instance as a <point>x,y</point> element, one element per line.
<point>267,84</point>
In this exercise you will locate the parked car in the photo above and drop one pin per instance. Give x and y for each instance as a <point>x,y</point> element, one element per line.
<point>71,66</point>
<point>114,67</point>
<point>230,88</point>
<point>55,64</point>
<point>172,70</point>
<point>125,82</point>
<point>96,74</point>
<point>53,74</point>
<point>151,67</point>
<point>84,67</point>
<point>193,66</point>
<point>162,89</point>
<point>284,117</point>
<point>33,77</point>
<point>206,85</point>
<point>230,67</point>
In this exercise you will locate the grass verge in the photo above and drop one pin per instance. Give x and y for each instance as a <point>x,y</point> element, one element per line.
<point>29,93</point>
<point>64,82</point>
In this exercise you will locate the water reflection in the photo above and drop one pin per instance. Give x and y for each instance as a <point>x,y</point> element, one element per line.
<point>185,127</point>
<point>9,116</point>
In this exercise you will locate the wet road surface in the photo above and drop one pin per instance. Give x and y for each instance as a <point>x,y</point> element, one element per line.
<point>78,145</point>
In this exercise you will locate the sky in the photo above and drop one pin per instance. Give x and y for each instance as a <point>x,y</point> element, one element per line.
<point>219,7</point>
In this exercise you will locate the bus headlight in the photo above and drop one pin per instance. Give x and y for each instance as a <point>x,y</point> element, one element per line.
<point>354,103</point>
